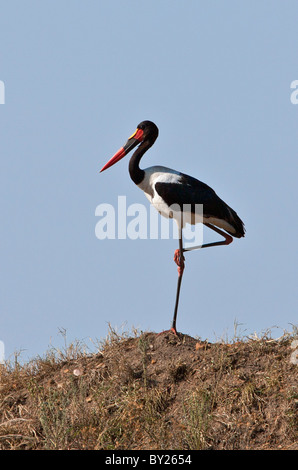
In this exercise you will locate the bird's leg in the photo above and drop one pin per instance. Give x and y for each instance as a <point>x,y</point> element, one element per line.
<point>227,239</point>
<point>179,260</point>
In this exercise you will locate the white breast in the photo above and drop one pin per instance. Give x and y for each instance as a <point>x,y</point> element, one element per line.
<point>161,174</point>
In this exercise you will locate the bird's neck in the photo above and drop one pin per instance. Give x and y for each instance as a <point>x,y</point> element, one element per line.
<point>136,173</point>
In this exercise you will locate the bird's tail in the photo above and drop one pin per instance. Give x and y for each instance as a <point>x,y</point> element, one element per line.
<point>234,220</point>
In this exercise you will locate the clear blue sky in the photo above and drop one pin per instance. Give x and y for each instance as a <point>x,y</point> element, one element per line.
<point>79,76</point>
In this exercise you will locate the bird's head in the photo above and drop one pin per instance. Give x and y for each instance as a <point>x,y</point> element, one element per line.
<point>146,131</point>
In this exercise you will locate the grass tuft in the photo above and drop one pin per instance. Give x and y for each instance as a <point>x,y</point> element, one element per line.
<point>148,391</point>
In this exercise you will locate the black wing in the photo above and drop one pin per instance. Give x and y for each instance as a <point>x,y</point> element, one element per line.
<point>192,191</point>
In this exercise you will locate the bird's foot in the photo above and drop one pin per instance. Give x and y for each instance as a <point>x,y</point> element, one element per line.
<point>179,260</point>
<point>171,330</point>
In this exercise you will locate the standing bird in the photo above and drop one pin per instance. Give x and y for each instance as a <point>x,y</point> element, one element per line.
<point>175,195</point>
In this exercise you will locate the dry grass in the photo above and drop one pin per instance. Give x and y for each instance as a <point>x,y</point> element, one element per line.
<point>148,391</point>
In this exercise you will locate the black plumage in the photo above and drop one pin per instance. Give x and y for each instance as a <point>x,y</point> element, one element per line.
<point>191,191</point>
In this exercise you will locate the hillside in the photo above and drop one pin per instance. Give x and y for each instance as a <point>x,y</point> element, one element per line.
<point>152,391</point>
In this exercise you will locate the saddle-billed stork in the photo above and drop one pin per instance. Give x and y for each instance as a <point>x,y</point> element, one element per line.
<point>167,189</point>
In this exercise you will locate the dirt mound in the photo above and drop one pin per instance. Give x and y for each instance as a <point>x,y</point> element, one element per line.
<point>154,392</point>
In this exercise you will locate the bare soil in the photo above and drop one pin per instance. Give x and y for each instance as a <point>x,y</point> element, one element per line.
<point>154,392</point>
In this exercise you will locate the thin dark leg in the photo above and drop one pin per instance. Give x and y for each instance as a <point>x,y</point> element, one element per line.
<point>227,239</point>
<point>179,259</point>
